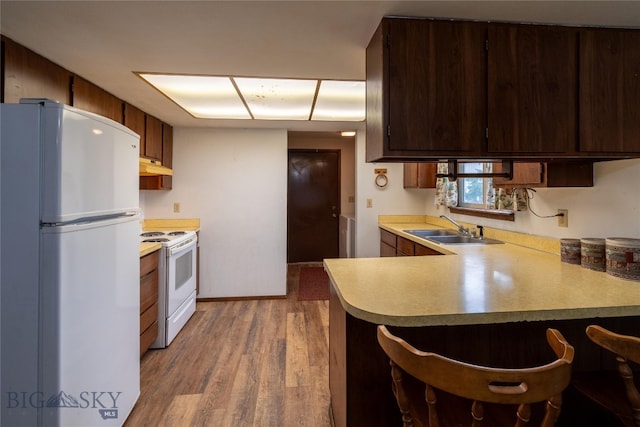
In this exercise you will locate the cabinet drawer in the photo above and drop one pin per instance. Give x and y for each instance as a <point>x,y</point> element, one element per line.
<point>148,263</point>
<point>148,337</point>
<point>388,238</point>
<point>405,246</point>
<point>148,290</point>
<point>387,250</point>
<point>423,250</point>
<point>149,316</point>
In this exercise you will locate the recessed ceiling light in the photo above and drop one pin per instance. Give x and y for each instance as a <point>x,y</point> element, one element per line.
<point>348,133</point>
<point>227,97</point>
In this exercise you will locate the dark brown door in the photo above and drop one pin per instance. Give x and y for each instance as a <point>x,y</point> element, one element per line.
<point>313,205</point>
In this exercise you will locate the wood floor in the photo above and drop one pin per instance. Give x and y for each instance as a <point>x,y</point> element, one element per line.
<point>241,363</point>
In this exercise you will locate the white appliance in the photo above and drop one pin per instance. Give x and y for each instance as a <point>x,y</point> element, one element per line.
<point>70,289</point>
<point>176,281</point>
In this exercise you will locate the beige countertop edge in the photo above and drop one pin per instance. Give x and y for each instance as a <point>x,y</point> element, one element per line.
<point>481,284</point>
<point>147,248</point>
<point>398,223</point>
<point>184,224</point>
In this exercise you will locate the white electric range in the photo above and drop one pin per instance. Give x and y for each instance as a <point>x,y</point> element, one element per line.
<point>176,281</point>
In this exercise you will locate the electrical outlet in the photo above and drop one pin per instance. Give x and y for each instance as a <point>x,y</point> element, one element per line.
<point>176,207</point>
<point>369,203</point>
<point>563,221</point>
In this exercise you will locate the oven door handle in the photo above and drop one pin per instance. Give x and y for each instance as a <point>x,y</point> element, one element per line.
<point>182,247</point>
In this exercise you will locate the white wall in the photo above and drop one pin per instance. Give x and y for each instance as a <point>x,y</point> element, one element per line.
<point>235,181</point>
<point>611,208</point>
<point>391,200</point>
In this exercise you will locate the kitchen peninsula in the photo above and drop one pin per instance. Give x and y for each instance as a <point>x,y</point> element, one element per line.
<point>476,303</point>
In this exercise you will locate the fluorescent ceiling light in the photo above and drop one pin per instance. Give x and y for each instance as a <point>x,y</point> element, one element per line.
<point>340,101</point>
<point>226,97</point>
<point>204,97</point>
<point>278,99</point>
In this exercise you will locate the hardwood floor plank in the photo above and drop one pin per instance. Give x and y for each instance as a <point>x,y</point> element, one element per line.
<point>297,371</point>
<point>181,411</point>
<point>241,363</point>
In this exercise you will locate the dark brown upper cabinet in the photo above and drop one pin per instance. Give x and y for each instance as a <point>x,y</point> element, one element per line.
<point>28,75</point>
<point>89,97</point>
<point>570,173</point>
<point>134,119</point>
<point>153,139</point>
<point>610,91</point>
<point>532,88</point>
<point>426,89</point>
<point>419,175</point>
<point>161,182</point>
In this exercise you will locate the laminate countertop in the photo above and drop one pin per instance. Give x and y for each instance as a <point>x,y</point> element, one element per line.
<point>147,248</point>
<point>476,284</point>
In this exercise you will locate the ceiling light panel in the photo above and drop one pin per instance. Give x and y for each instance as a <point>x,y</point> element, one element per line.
<point>278,99</point>
<point>340,101</point>
<point>205,97</point>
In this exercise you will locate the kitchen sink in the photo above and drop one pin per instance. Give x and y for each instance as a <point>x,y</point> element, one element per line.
<point>460,239</point>
<point>428,233</point>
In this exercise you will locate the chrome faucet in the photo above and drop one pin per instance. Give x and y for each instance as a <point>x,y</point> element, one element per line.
<point>460,228</point>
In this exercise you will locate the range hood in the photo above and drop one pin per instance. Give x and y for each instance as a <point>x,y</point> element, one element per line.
<point>150,167</point>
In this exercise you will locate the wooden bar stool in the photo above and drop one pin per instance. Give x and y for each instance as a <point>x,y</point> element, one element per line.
<point>616,393</point>
<point>433,390</point>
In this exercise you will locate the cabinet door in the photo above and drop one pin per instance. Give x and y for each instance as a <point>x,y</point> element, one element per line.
<point>423,250</point>
<point>570,173</point>
<point>610,90</point>
<point>420,175</point>
<point>436,85</point>
<point>524,174</point>
<point>405,247</point>
<point>29,75</point>
<point>161,182</point>
<point>426,88</point>
<point>532,96</point>
<point>134,119</point>
<point>89,97</point>
<point>153,142</point>
<point>167,154</point>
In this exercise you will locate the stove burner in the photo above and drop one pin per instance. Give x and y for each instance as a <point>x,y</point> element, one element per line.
<point>152,234</point>
<point>156,240</point>
<point>177,233</point>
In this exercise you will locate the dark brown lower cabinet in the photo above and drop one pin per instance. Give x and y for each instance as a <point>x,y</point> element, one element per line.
<point>148,301</point>
<point>393,245</point>
<point>360,376</point>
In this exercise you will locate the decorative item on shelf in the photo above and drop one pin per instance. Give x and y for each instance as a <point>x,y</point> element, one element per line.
<point>593,253</point>
<point>623,257</point>
<point>570,251</point>
<point>446,190</point>
<point>381,178</point>
<point>519,199</point>
<point>503,200</point>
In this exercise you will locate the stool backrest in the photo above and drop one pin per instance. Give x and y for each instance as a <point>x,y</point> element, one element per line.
<point>625,348</point>
<point>478,384</point>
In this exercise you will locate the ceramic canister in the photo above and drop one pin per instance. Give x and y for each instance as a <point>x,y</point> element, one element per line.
<point>570,251</point>
<point>593,253</point>
<point>623,257</point>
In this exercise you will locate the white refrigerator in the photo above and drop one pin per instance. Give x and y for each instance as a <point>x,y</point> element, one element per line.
<point>69,295</point>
